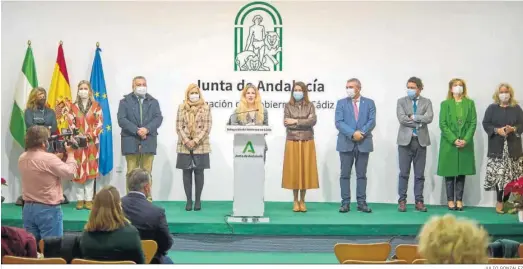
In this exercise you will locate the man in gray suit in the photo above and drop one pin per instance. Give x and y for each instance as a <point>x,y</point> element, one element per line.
<point>139,116</point>
<point>414,113</point>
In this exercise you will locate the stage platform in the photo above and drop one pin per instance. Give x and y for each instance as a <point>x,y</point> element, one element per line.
<point>321,219</point>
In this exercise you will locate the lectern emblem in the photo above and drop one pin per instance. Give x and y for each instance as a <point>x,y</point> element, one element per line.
<point>258,38</point>
<point>249,148</point>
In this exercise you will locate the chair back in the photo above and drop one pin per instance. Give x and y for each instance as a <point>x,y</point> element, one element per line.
<point>23,260</point>
<point>520,250</point>
<point>419,261</point>
<point>407,253</point>
<point>149,248</point>
<point>83,261</point>
<point>505,261</point>
<point>362,252</point>
<point>375,262</point>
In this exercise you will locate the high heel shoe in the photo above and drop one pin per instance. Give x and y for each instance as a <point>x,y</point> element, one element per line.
<point>296,207</point>
<point>188,206</point>
<point>303,208</point>
<point>459,206</point>
<point>499,208</point>
<point>451,205</point>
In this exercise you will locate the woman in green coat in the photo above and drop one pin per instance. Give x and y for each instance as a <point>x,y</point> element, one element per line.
<point>457,121</point>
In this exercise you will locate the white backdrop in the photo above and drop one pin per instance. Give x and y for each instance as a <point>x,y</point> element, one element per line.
<point>176,43</point>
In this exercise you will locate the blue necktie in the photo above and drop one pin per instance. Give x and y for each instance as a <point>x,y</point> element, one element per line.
<point>414,108</point>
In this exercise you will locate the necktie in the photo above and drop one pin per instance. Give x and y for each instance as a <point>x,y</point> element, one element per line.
<point>414,108</point>
<point>140,100</point>
<point>356,111</point>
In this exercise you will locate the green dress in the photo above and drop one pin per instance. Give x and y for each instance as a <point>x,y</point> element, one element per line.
<point>457,120</point>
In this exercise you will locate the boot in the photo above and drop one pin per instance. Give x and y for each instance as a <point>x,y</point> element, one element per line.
<point>89,205</point>
<point>303,208</point>
<point>296,207</point>
<point>79,205</point>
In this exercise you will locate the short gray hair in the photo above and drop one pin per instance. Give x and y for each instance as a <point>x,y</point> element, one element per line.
<point>138,178</point>
<point>139,77</point>
<point>355,80</point>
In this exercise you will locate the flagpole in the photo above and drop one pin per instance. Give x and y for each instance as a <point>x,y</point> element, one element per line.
<point>99,175</point>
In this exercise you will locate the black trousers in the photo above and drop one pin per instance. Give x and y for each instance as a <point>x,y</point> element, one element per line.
<point>455,187</point>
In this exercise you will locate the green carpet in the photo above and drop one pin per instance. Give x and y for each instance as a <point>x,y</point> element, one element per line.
<point>194,257</point>
<point>321,219</point>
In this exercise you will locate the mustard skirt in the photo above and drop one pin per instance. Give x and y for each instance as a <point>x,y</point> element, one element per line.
<point>300,171</point>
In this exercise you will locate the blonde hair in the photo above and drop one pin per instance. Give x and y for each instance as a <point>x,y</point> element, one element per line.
<point>450,95</point>
<point>447,240</point>
<point>33,97</point>
<point>512,101</point>
<point>243,106</point>
<point>91,96</point>
<point>107,213</point>
<point>192,108</point>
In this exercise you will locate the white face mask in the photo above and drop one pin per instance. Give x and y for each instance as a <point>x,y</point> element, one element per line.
<point>504,97</point>
<point>141,90</point>
<point>457,90</point>
<point>194,97</point>
<point>83,94</point>
<point>351,92</point>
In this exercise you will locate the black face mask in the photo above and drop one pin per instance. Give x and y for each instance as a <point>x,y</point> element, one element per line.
<point>41,103</point>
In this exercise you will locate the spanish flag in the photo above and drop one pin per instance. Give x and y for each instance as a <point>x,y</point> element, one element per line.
<point>59,92</point>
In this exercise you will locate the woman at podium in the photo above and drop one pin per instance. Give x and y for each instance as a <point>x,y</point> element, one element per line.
<point>193,125</point>
<point>300,171</point>
<point>250,110</point>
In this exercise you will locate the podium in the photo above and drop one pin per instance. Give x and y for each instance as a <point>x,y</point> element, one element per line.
<point>249,173</point>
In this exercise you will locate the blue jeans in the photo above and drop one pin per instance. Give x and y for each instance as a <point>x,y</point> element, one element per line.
<point>43,220</point>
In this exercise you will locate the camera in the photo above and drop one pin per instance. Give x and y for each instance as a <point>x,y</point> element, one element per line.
<point>71,137</point>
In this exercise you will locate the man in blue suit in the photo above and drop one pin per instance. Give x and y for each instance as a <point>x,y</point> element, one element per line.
<point>355,119</point>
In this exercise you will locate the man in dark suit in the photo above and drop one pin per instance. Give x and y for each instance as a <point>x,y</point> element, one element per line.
<point>355,119</point>
<point>149,219</point>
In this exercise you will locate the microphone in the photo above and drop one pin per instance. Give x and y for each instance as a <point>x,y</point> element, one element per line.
<point>237,113</point>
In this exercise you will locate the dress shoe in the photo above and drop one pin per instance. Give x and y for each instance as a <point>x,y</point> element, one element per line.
<point>188,206</point>
<point>197,206</point>
<point>344,208</point>
<point>303,208</point>
<point>296,207</point>
<point>459,206</point>
<point>421,207</point>
<point>402,206</point>
<point>363,207</point>
<point>64,201</point>
<point>451,205</point>
<point>88,205</point>
<point>79,205</point>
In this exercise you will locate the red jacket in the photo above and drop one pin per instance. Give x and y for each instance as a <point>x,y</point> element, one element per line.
<point>18,242</point>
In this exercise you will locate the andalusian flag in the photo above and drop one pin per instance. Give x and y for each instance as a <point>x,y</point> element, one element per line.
<point>26,83</point>
<point>59,92</point>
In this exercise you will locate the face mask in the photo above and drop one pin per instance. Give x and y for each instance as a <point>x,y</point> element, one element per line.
<point>141,91</point>
<point>297,96</point>
<point>194,97</point>
<point>457,90</point>
<point>411,93</point>
<point>351,93</point>
<point>504,97</point>
<point>83,94</point>
<point>41,103</point>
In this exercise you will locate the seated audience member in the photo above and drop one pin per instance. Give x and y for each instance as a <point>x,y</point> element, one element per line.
<point>66,247</point>
<point>504,248</point>
<point>41,174</point>
<point>18,242</point>
<point>149,219</point>
<point>447,240</point>
<point>108,235</point>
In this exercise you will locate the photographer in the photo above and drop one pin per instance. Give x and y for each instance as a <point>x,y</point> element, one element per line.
<point>41,174</point>
<point>38,113</point>
<point>86,120</point>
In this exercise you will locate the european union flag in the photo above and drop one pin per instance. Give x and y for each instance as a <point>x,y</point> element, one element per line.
<point>105,163</point>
